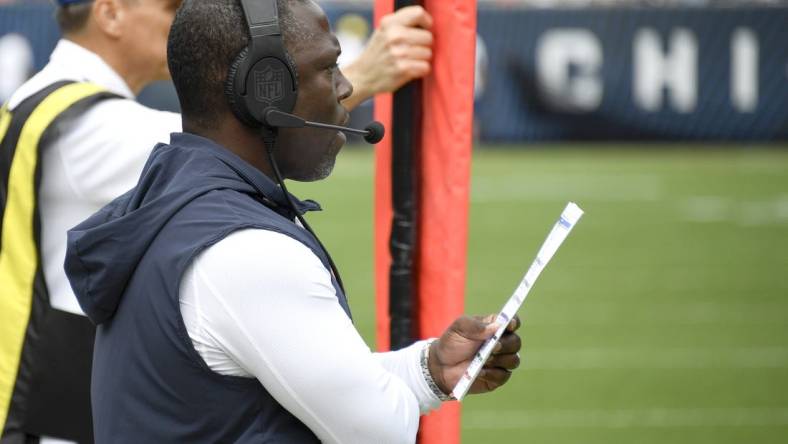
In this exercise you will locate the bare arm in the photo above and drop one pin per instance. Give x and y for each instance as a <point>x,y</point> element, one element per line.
<point>400,50</point>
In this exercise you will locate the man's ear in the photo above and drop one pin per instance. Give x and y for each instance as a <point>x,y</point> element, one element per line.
<point>108,16</point>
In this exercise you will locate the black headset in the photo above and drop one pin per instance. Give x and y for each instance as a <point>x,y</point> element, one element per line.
<point>262,81</point>
<point>263,76</point>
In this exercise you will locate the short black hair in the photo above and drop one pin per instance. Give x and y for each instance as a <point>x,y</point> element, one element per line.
<point>206,36</point>
<point>73,18</point>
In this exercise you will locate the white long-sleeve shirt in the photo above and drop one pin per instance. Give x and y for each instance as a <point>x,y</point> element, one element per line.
<point>261,304</point>
<point>95,158</point>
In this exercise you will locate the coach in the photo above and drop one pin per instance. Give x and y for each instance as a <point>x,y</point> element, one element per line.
<point>75,132</point>
<point>220,317</point>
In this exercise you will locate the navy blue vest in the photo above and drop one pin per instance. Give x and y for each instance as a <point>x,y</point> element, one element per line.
<point>149,384</point>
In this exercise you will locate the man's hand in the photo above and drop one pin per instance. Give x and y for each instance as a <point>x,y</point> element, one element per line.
<point>452,353</point>
<point>400,50</point>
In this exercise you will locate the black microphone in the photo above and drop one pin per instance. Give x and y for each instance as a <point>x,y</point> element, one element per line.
<point>373,133</point>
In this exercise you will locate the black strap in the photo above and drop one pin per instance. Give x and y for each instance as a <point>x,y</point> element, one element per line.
<point>51,395</point>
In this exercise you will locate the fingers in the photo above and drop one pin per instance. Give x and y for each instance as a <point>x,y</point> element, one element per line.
<point>404,39</point>
<point>399,51</point>
<point>408,27</point>
<point>409,16</point>
<point>514,324</point>
<point>411,52</point>
<point>409,36</point>
<point>403,71</point>
<point>410,69</point>
<point>504,359</point>
<point>487,319</point>
<point>506,362</point>
<point>506,352</point>
<point>474,328</point>
<point>411,62</point>
<point>494,377</point>
<point>509,343</point>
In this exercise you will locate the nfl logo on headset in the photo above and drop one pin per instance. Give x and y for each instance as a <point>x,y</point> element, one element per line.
<point>269,85</point>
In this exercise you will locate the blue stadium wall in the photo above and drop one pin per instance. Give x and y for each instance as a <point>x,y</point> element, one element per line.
<point>596,74</point>
<point>517,104</point>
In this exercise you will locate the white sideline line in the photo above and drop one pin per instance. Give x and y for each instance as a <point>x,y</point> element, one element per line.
<point>578,187</point>
<point>627,418</point>
<point>656,314</point>
<point>712,209</point>
<point>655,358</point>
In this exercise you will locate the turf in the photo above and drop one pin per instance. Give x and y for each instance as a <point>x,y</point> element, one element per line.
<point>663,318</point>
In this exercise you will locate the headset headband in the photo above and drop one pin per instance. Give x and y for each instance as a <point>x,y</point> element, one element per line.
<point>262,17</point>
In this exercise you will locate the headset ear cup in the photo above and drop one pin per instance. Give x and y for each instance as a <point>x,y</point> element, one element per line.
<point>237,104</point>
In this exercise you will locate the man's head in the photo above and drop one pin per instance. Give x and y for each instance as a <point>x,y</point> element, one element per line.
<point>130,35</point>
<point>207,36</point>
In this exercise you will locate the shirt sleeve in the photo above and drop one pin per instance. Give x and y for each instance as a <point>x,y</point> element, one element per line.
<point>104,150</point>
<point>406,363</point>
<point>264,302</point>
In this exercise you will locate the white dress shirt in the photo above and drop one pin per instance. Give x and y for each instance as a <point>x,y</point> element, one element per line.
<point>97,157</point>
<point>261,304</point>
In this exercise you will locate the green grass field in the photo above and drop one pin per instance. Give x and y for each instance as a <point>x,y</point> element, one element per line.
<point>663,318</point>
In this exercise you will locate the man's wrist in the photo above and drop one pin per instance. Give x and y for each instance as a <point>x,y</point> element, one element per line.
<point>432,374</point>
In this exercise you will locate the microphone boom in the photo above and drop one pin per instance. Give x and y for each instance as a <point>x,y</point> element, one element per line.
<point>373,133</point>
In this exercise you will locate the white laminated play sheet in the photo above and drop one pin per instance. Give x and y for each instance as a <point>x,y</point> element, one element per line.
<point>569,217</point>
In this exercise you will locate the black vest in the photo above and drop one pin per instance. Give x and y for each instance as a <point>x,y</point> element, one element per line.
<point>149,383</point>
